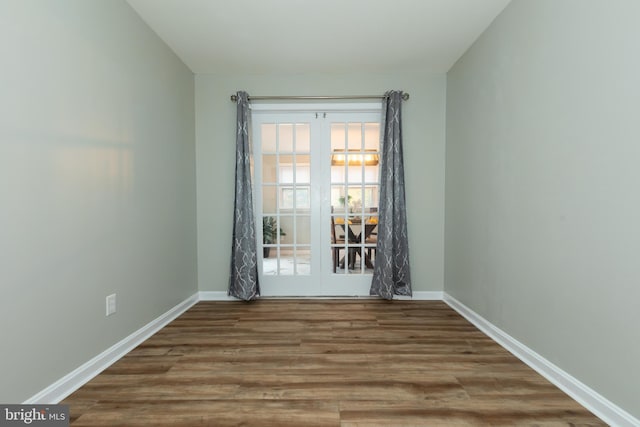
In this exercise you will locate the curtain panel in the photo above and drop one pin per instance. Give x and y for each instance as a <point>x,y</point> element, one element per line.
<point>243,282</point>
<point>391,273</point>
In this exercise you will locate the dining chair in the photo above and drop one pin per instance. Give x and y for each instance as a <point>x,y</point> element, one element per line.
<point>335,240</point>
<point>372,238</point>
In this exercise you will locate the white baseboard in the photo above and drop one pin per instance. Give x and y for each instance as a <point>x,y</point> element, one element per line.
<point>418,296</point>
<point>589,398</point>
<point>80,376</point>
<point>426,296</point>
<point>216,296</point>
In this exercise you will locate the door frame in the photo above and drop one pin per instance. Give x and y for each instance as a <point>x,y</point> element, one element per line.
<point>327,283</point>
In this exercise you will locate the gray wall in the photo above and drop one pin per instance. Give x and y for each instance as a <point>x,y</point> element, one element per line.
<point>542,199</point>
<point>424,125</point>
<point>97,184</point>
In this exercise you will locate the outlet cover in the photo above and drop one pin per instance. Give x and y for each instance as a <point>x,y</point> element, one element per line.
<point>111,304</point>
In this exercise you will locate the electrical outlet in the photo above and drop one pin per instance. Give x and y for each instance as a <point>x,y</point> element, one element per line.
<point>111,304</point>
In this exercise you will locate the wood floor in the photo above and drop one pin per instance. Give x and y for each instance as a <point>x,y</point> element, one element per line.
<point>325,363</point>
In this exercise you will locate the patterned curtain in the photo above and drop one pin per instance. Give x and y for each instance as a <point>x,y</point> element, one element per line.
<point>391,274</point>
<point>243,282</point>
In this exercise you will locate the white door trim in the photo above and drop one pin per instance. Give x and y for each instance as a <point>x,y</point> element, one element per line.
<point>318,115</point>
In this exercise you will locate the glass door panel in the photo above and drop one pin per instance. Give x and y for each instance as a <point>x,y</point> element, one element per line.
<point>354,160</point>
<point>284,168</point>
<point>286,175</point>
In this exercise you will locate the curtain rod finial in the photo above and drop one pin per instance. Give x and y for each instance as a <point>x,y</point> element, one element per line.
<point>234,98</point>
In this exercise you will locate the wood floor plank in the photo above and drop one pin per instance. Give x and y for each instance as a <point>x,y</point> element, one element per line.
<point>325,363</point>
<point>267,413</point>
<point>507,412</point>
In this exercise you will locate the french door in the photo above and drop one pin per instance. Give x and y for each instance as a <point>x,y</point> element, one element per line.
<point>317,186</point>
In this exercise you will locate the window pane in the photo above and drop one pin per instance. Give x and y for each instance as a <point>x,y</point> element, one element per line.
<point>269,227</point>
<point>286,137</point>
<point>371,197</point>
<point>372,136</point>
<point>303,171</point>
<point>303,260</point>
<point>351,203</point>
<point>298,195</point>
<point>337,198</point>
<point>286,174</point>
<point>286,267</point>
<point>269,199</point>
<point>286,169</point>
<point>303,174</point>
<point>303,230</point>
<point>286,229</point>
<point>355,194</point>
<point>354,137</point>
<point>337,174</point>
<point>303,198</point>
<point>286,197</point>
<point>337,137</point>
<point>355,174</point>
<point>371,174</point>
<point>303,138</point>
<point>269,168</point>
<point>270,262</point>
<point>268,133</point>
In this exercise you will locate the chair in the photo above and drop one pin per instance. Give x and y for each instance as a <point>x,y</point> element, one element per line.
<point>335,250</point>
<point>372,238</point>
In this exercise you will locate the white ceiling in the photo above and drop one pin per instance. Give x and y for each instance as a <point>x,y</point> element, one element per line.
<point>328,36</point>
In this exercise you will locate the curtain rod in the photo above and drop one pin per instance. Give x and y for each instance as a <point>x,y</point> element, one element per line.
<point>234,98</point>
